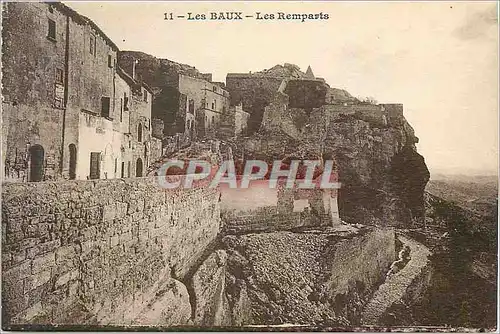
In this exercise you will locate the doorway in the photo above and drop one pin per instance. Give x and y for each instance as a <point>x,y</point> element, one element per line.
<point>72,161</point>
<point>37,155</point>
<point>138,167</point>
<point>95,165</point>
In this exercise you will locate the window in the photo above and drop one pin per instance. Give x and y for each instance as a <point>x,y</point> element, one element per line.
<point>128,169</point>
<point>191,106</point>
<point>138,167</point>
<point>145,96</point>
<point>105,103</point>
<point>213,120</point>
<point>213,105</point>
<point>92,44</point>
<point>59,89</point>
<point>110,61</point>
<point>95,165</point>
<point>59,76</point>
<point>58,101</point>
<point>116,165</point>
<point>72,161</point>
<point>52,30</point>
<point>139,133</point>
<point>215,89</point>
<point>125,102</point>
<point>121,110</point>
<point>37,158</point>
<point>123,170</point>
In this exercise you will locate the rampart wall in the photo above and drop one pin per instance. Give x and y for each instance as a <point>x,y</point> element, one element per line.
<point>94,251</point>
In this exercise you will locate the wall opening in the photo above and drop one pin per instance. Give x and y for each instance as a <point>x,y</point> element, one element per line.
<point>139,133</point>
<point>95,165</point>
<point>138,167</point>
<point>72,161</point>
<point>37,155</point>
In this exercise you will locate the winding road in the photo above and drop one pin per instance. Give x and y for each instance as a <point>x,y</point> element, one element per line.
<point>395,287</point>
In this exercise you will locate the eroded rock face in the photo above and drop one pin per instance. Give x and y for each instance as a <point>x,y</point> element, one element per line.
<point>169,306</point>
<point>382,175</point>
<point>210,304</point>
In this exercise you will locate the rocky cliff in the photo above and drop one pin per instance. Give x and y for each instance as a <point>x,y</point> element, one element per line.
<point>312,277</point>
<point>383,177</point>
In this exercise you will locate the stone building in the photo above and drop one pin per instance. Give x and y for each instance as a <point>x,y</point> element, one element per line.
<point>188,102</point>
<point>65,103</point>
<point>205,102</point>
<point>255,91</point>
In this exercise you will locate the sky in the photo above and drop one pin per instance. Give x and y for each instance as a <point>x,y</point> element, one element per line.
<point>440,59</point>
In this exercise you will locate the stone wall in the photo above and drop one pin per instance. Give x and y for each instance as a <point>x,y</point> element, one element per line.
<point>157,127</point>
<point>306,94</point>
<point>254,93</point>
<point>261,208</point>
<point>80,252</point>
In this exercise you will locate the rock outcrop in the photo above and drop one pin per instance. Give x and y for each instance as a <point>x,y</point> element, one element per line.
<point>383,177</point>
<point>321,276</point>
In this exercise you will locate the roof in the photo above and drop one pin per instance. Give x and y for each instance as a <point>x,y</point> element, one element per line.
<point>131,81</point>
<point>82,20</point>
<point>309,73</point>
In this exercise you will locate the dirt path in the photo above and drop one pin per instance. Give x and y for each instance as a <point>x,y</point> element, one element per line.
<point>394,288</point>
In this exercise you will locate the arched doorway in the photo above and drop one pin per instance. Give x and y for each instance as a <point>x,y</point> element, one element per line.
<point>138,167</point>
<point>37,155</point>
<point>72,161</point>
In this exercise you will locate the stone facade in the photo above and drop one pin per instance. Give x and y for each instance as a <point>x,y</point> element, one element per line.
<point>241,120</point>
<point>205,103</point>
<point>95,257</point>
<point>254,93</point>
<point>63,109</point>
